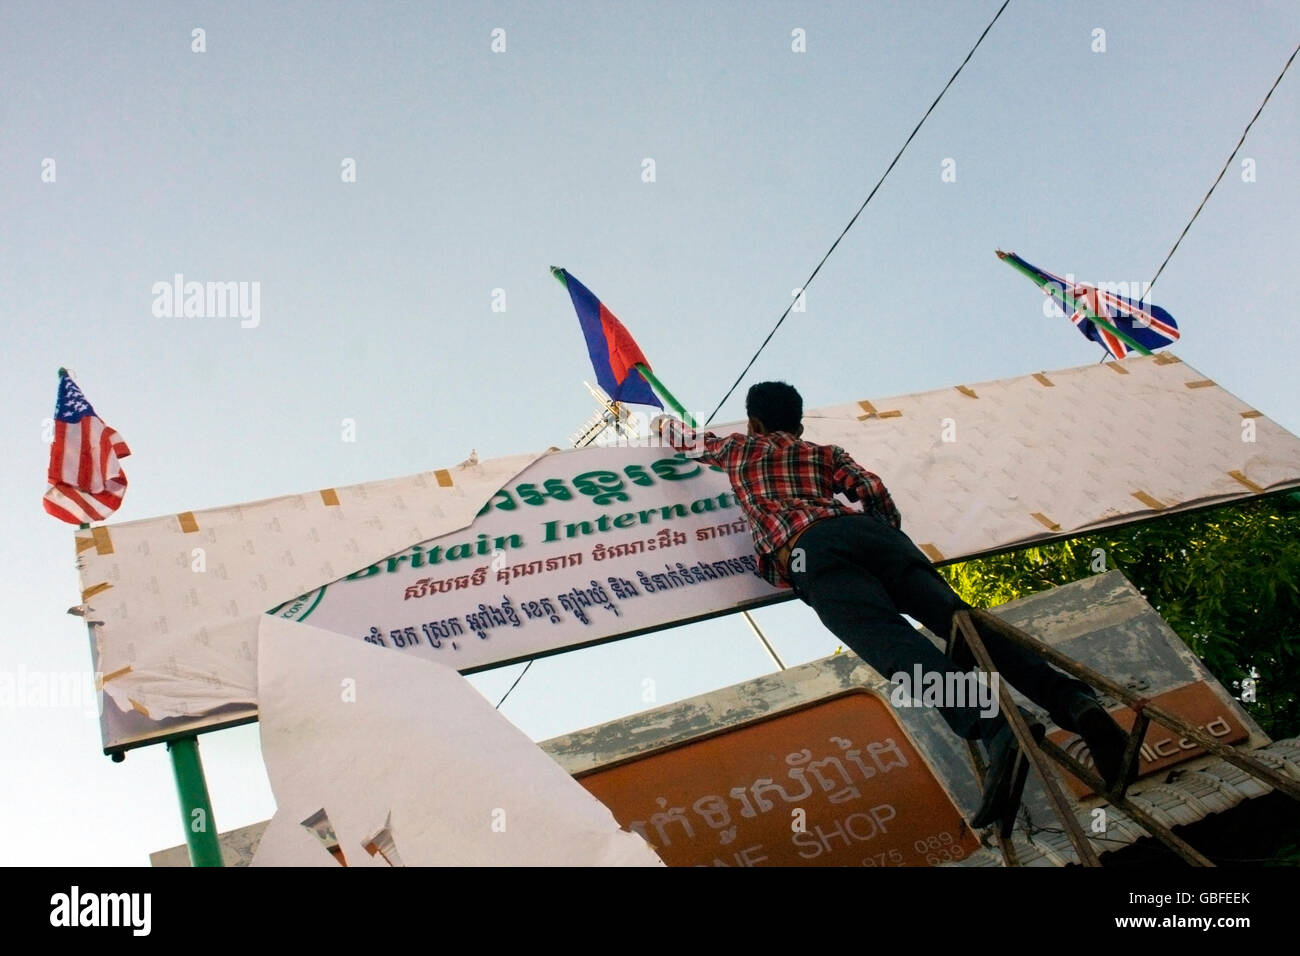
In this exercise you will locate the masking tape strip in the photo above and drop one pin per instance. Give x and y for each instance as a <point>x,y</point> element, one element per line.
<point>1246,481</point>
<point>966,390</point>
<point>931,552</point>
<point>91,591</point>
<point>892,413</point>
<point>1200,383</point>
<point>103,542</point>
<point>189,524</point>
<point>1147,500</point>
<point>1164,358</point>
<point>444,477</point>
<point>1046,522</point>
<point>1044,380</point>
<point>867,408</point>
<point>85,544</point>
<point>330,497</point>
<point>117,673</point>
<point>136,705</point>
<point>1117,367</point>
<point>1251,414</point>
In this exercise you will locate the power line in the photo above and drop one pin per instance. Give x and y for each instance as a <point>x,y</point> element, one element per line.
<point>892,163</point>
<point>897,156</point>
<point>1221,172</point>
<point>516,683</point>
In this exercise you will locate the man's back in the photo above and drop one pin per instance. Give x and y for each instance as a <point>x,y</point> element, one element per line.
<point>784,484</point>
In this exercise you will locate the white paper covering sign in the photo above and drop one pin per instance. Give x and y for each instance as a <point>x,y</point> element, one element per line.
<point>973,469</point>
<point>579,547</point>
<point>173,603</point>
<point>347,738</point>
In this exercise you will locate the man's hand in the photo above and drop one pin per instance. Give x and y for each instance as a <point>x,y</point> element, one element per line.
<point>675,434</point>
<point>661,429</point>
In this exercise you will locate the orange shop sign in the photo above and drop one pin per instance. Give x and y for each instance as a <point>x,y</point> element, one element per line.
<point>837,783</point>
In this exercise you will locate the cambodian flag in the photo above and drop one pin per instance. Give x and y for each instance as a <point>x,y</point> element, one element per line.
<point>614,353</point>
<point>86,479</point>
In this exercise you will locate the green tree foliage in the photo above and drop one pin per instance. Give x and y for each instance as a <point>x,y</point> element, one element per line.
<point>1226,580</point>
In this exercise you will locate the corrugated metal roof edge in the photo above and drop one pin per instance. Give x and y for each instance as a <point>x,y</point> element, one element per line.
<point>1186,793</point>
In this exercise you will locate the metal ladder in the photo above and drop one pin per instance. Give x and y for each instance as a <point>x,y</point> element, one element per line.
<point>963,629</point>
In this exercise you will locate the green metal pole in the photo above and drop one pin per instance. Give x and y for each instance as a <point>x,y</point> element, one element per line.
<point>666,395</point>
<point>1074,303</point>
<point>196,807</point>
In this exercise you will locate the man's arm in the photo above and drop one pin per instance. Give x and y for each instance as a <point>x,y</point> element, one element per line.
<point>702,446</point>
<point>858,484</point>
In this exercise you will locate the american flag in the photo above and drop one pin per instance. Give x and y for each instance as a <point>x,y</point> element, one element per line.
<point>86,481</point>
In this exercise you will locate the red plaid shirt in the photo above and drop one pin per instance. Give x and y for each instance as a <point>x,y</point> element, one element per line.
<point>784,484</point>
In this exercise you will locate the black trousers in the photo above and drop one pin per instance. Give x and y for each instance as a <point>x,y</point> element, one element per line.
<point>858,573</point>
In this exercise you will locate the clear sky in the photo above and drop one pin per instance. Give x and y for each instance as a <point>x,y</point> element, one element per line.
<point>475,171</point>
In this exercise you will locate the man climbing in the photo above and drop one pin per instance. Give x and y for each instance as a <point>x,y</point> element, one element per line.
<point>860,573</point>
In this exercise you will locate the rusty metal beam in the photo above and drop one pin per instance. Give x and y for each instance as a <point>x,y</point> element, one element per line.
<point>1141,817</point>
<point>1141,705</point>
<point>1029,749</point>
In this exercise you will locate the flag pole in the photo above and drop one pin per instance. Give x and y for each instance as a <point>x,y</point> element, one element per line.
<point>686,416</point>
<point>1012,260</point>
<point>666,395</point>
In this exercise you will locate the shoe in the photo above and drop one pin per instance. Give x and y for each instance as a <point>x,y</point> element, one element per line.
<point>1005,779</point>
<point>1106,740</point>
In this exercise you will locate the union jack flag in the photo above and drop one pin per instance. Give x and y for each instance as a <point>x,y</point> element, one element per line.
<point>1152,326</point>
<point>1144,327</point>
<point>86,480</point>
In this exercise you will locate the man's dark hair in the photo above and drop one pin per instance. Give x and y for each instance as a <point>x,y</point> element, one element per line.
<point>777,405</point>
